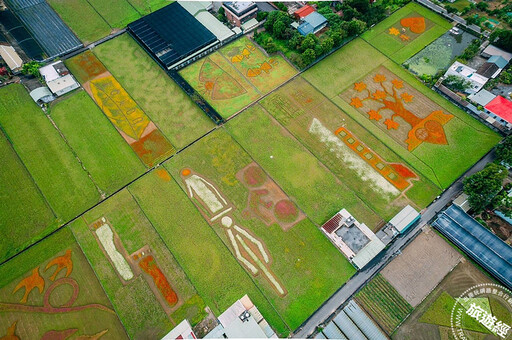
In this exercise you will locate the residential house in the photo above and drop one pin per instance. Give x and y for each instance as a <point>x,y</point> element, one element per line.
<point>312,23</point>
<point>303,12</point>
<point>492,68</point>
<point>491,50</point>
<point>476,80</point>
<point>58,78</point>
<point>500,109</point>
<point>238,12</point>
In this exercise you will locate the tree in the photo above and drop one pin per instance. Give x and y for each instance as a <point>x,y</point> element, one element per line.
<point>221,15</point>
<point>279,28</point>
<point>354,27</point>
<point>327,45</point>
<point>362,6</point>
<point>483,186</point>
<point>502,38</point>
<point>308,56</point>
<point>309,42</point>
<point>337,35</point>
<point>450,9</point>
<point>261,16</point>
<point>32,68</point>
<point>482,6</point>
<point>504,151</point>
<point>270,46</point>
<point>456,83</point>
<point>295,41</point>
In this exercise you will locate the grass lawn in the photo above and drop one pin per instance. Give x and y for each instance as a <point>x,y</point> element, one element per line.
<point>266,80</point>
<point>109,159</point>
<point>308,266</point>
<point>296,105</point>
<point>118,13</point>
<point>220,84</point>
<point>34,324</point>
<point>136,304</point>
<point>394,48</point>
<point>218,277</point>
<point>157,94</point>
<point>460,4</point>
<point>384,303</point>
<point>83,20</point>
<point>49,160</point>
<point>24,213</point>
<point>319,194</point>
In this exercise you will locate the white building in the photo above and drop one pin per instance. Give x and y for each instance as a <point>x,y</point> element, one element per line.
<point>355,240</point>
<point>467,73</point>
<point>58,78</point>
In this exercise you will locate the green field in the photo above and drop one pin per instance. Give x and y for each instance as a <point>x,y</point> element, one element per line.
<point>309,275</point>
<point>118,13</point>
<point>384,303</point>
<point>394,48</point>
<point>175,114</point>
<point>82,18</point>
<point>56,171</point>
<point>33,323</point>
<point>24,213</point>
<point>137,306</point>
<point>297,104</point>
<point>319,193</point>
<point>441,164</point>
<point>108,158</point>
<point>230,80</point>
<point>217,276</point>
<point>148,6</point>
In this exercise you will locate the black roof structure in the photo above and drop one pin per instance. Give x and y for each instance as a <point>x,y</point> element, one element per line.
<point>171,34</point>
<point>45,26</point>
<point>18,32</point>
<point>479,243</point>
<point>487,69</point>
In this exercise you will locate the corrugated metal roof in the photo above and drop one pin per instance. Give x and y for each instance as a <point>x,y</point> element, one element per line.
<point>404,218</point>
<point>315,19</point>
<point>10,56</point>
<point>363,321</point>
<point>478,242</point>
<point>214,25</point>
<point>305,28</point>
<point>320,335</point>
<point>482,97</point>
<point>46,26</point>
<point>501,107</point>
<point>348,327</point>
<point>331,331</point>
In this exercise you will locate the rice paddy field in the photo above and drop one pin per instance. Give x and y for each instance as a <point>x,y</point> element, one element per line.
<point>165,216</point>
<point>92,20</point>
<point>237,75</point>
<point>406,32</point>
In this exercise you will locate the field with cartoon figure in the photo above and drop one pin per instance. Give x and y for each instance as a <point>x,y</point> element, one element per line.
<point>51,292</point>
<point>237,75</point>
<point>123,112</point>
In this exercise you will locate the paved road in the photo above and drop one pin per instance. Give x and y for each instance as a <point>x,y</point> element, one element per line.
<point>345,293</point>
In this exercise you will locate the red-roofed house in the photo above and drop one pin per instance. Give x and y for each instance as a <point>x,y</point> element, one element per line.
<point>500,109</point>
<point>303,12</point>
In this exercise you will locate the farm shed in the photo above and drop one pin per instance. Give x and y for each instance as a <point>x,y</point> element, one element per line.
<point>480,244</point>
<point>20,34</point>
<point>10,56</point>
<point>405,218</point>
<point>45,26</point>
<point>492,50</point>
<point>41,95</point>
<point>172,36</point>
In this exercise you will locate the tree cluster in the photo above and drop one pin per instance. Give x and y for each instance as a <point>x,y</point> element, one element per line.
<point>456,83</point>
<point>356,16</point>
<point>483,186</point>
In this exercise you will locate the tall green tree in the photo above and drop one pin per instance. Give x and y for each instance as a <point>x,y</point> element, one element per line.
<point>483,186</point>
<point>504,151</point>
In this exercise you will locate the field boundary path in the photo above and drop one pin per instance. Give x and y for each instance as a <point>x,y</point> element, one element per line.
<point>339,299</point>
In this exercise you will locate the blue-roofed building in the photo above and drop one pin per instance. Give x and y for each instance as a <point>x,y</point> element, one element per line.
<point>312,23</point>
<point>498,61</point>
